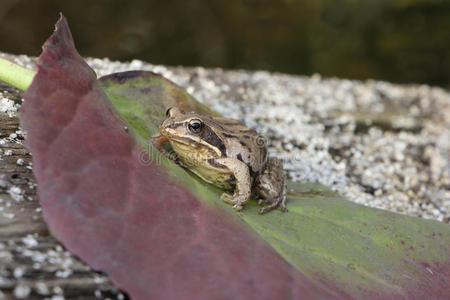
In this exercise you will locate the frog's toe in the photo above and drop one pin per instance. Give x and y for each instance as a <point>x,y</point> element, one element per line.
<point>237,207</point>
<point>270,207</point>
<point>283,207</point>
<point>227,198</point>
<point>237,202</point>
<point>262,201</point>
<point>266,209</point>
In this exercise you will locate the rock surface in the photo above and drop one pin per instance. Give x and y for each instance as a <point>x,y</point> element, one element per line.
<point>378,144</point>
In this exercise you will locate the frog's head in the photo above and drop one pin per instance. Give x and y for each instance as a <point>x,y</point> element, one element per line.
<point>192,129</point>
<point>179,124</point>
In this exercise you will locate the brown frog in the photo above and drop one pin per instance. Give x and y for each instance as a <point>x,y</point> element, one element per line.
<point>226,153</point>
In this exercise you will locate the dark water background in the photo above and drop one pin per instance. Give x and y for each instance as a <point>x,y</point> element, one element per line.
<point>397,40</point>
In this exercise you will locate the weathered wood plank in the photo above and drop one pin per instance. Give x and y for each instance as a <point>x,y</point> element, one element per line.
<point>33,265</point>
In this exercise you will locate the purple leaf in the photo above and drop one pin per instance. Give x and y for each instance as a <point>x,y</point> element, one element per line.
<point>153,238</point>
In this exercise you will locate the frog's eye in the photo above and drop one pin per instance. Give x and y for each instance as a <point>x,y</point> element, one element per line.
<point>195,125</point>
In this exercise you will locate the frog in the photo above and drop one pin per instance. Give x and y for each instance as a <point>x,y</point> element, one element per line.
<point>224,152</point>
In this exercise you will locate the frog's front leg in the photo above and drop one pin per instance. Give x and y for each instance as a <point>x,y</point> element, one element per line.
<point>158,141</point>
<point>241,174</point>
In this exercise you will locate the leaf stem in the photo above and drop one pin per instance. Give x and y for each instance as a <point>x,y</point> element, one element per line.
<point>15,75</point>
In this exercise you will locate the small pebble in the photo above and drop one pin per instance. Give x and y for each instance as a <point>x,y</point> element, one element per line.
<point>21,291</point>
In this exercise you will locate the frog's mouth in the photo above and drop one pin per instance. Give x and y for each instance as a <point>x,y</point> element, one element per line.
<point>185,141</point>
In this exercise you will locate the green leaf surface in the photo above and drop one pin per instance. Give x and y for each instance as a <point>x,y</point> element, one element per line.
<point>365,252</point>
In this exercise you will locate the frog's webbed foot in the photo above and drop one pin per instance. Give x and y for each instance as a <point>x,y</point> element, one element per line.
<point>281,201</point>
<point>237,201</point>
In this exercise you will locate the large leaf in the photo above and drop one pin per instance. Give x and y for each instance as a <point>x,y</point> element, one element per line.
<point>369,253</point>
<point>162,233</point>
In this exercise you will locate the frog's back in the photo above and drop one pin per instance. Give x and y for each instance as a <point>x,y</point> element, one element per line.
<point>243,143</point>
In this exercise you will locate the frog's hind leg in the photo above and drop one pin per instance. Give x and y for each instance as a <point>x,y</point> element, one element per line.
<point>273,203</point>
<point>271,187</point>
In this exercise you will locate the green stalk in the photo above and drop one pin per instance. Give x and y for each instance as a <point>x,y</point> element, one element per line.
<point>15,75</point>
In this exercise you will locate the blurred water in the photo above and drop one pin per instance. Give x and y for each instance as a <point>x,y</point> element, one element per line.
<point>394,40</point>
